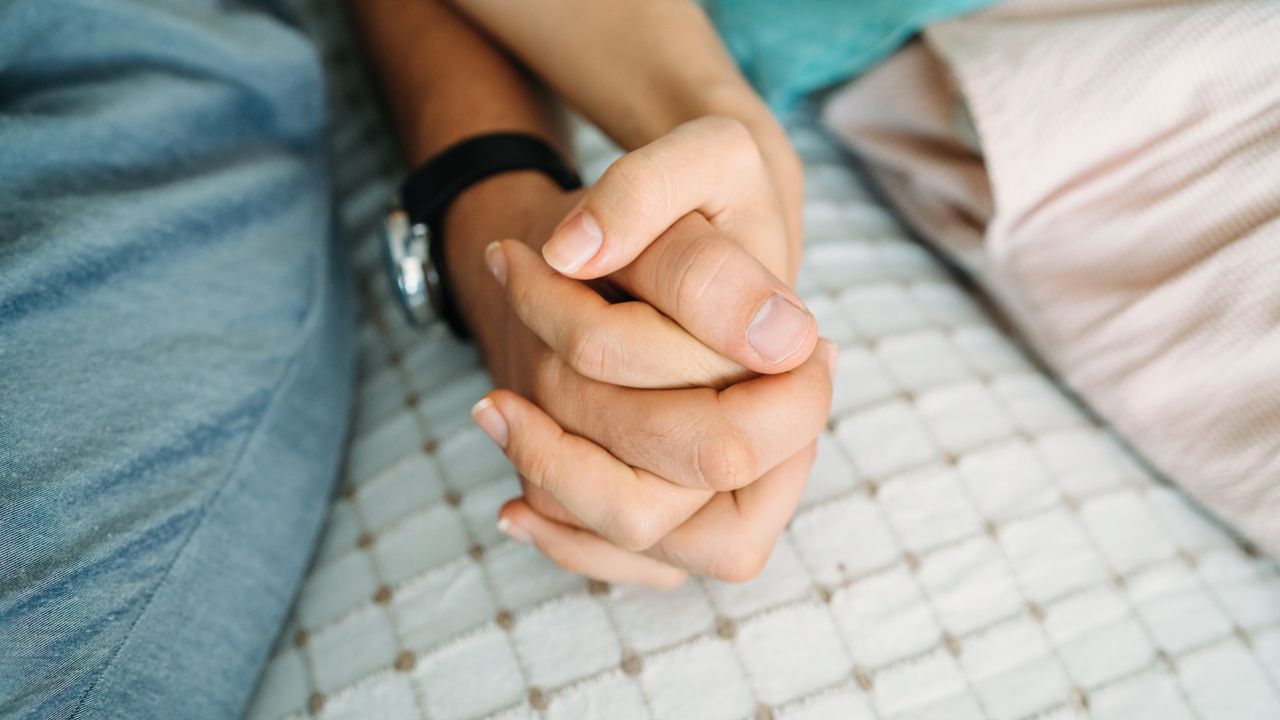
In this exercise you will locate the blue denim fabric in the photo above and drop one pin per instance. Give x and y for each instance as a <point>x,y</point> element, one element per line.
<point>175,350</point>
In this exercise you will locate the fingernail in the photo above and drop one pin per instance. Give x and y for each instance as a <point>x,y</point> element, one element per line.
<point>833,358</point>
<point>574,244</point>
<point>496,259</point>
<point>779,329</point>
<point>490,421</point>
<point>514,531</point>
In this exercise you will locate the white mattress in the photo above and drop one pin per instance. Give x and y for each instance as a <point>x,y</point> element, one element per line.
<point>970,545</point>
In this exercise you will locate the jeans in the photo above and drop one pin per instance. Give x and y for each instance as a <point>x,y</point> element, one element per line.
<point>176,350</point>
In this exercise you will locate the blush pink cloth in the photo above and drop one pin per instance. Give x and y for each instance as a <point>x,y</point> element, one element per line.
<point>1109,170</point>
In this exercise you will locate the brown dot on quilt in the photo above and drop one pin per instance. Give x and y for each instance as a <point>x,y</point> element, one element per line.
<point>476,552</point>
<point>1080,698</point>
<point>430,445</point>
<point>726,627</point>
<point>824,593</point>
<point>597,587</point>
<point>383,595</point>
<point>864,681</point>
<point>538,699</point>
<point>411,400</point>
<point>1244,636</point>
<point>315,703</point>
<point>1036,611</point>
<point>993,530</point>
<point>405,661</point>
<point>453,498</point>
<point>300,638</point>
<point>364,541</point>
<point>911,560</point>
<point>632,664</point>
<point>953,645</point>
<point>505,619</point>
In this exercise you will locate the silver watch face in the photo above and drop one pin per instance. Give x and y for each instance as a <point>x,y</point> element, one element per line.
<point>413,277</point>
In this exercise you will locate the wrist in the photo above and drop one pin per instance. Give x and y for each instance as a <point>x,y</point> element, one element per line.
<point>502,206</point>
<point>508,205</point>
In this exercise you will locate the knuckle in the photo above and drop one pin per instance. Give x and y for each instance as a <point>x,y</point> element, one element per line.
<point>539,468</point>
<point>742,562</point>
<point>635,530</point>
<point>699,267</point>
<point>728,128</point>
<point>593,350</point>
<point>637,186</point>
<point>735,138</point>
<point>726,460</point>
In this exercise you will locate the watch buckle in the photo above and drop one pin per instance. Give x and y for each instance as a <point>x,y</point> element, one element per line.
<point>413,277</point>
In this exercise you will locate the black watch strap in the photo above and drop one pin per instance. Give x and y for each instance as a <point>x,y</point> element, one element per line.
<point>427,193</point>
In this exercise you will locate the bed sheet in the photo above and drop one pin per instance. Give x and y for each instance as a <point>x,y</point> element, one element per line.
<point>971,544</point>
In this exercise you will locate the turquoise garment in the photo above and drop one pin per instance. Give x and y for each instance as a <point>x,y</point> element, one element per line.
<point>790,49</point>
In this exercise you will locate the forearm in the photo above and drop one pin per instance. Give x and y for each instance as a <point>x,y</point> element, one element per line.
<point>611,60</point>
<point>638,68</point>
<point>443,81</point>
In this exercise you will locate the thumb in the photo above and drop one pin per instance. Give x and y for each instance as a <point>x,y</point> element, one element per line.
<point>710,165</point>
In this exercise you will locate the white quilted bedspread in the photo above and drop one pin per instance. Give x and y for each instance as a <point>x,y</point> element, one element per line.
<point>971,544</point>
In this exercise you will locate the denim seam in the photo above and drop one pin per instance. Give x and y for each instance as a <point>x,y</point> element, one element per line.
<point>306,325</point>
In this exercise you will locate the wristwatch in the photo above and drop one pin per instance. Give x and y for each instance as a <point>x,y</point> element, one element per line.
<point>413,229</point>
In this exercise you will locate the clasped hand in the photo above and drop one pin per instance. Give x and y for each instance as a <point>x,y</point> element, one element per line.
<point>663,385</point>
